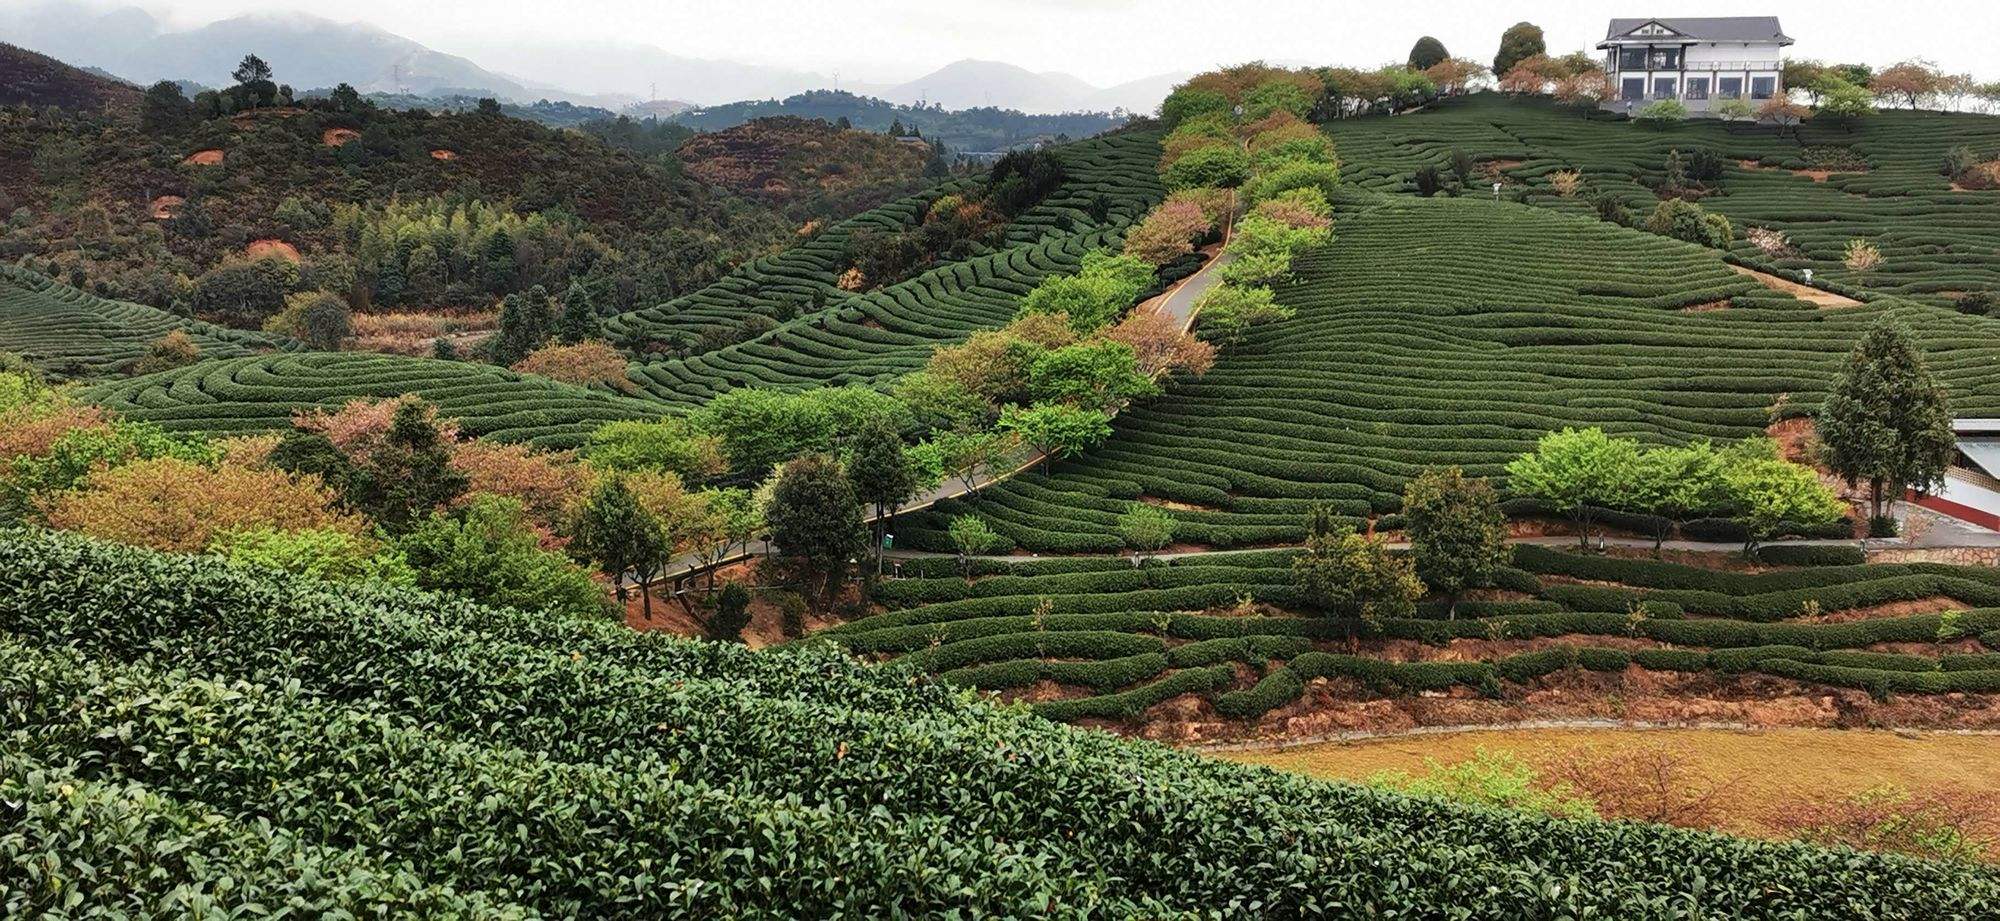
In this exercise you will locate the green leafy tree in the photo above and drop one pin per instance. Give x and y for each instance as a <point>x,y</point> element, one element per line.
<point>251,69</point>
<point>578,320</point>
<point>1576,471</point>
<point>410,474</point>
<point>731,614</point>
<point>1276,96</point>
<point>1352,574</point>
<point>488,551</point>
<point>815,523</point>
<point>1457,533</point>
<point>1099,374</point>
<point>971,536</point>
<point>1145,528</point>
<point>1675,482</point>
<point>1227,312</point>
<point>1221,165</point>
<point>670,445</point>
<point>1521,41</point>
<point>1888,420</point>
<point>1187,102</point>
<point>1769,492</point>
<point>1056,431</point>
<point>1842,102</point>
<point>1685,220</point>
<point>611,531</point>
<point>1103,287</point>
<point>1661,113</point>
<point>164,109</point>
<point>1427,53</point>
<point>882,475</point>
<point>319,553</point>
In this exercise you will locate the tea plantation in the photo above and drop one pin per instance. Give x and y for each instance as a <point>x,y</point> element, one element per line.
<point>1456,331</point>
<point>183,737</point>
<point>74,334</point>
<point>1885,185</point>
<point>1119,639</point>
<point>870,338</point>
<point>263,391</point>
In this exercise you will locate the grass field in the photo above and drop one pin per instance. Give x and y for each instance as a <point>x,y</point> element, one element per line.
<point>1753,769</point>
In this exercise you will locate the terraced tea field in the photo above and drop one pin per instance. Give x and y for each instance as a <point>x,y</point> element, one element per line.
<point>1457,331</point>
<point>870,338</point>
<point>1101,639</point>
<point>262,392</point>
<point>177,723</point>
<point>1878,179</point>
<point>74,334</point>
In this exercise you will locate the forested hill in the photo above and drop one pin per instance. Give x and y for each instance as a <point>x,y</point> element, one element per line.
<point>406,208</point>
<point>968,130</point>
<point>30,79</point>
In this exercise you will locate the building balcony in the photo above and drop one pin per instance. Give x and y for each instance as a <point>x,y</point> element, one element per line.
<point>1696,67</point>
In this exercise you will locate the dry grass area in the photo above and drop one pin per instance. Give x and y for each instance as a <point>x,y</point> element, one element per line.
<point>1805,293</point>
<point>414,333</point>
<point>1753,771</point>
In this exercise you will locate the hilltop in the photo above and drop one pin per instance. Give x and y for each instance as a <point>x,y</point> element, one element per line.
<point>983,129</point>
<point>30,79</point>
<point>792,161</point>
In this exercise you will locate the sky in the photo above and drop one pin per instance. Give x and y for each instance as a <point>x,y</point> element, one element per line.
<point>1108,41</point>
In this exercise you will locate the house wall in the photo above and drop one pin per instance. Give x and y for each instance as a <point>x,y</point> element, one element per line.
<point>1710,60</point>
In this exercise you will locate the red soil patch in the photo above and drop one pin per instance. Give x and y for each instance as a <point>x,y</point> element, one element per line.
<point>443,154</point>
<point>1708,307</point>
<point>1816,175</point>
<point>165,206</point>
<point>334,137</point>
<point>1794,436</point>
<point>259,249</point>
<point>209,157</point>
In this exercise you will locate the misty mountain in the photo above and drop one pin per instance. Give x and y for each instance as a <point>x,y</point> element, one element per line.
<point>305,51</point>
<point>971,84</point>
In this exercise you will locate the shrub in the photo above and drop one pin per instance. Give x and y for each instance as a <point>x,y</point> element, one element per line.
<point>1662,113</point>
<point>1491,778</point>
<point>168,503</point>
<point>592,363</point>
<point>1220,165</point>
<point>1932,825</point>
<point>1685,220</point>
<point>1566,182</point>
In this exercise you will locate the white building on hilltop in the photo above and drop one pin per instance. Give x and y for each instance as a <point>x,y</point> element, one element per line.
<point>1699,61</point>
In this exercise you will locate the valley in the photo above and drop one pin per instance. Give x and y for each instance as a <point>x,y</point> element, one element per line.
<point>1430,490</point>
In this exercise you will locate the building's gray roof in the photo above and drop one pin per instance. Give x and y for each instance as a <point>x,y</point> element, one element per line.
<point>1712,28</point>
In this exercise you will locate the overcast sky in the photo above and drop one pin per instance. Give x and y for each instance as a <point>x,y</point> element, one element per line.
<point>1110,41</point>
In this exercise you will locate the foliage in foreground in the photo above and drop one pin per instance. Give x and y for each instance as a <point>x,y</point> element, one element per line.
<point>180,722</point>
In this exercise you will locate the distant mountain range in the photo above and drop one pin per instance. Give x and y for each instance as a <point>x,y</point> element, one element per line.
<point>310,52</point>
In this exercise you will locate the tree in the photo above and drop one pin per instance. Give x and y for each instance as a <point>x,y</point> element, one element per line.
<point>1187,102</point>
<point>668,445</point>
<point>1674,482</point>
<point>1910,82</point>
<point>882,476</point>
<point>1685,220</point>
<point>521,331</point>
<point>732,614</point>
<point>410,473</point>
<point>1861,257</point>
<point>1427,53</point>
<point>1229,311</point>
<point>1099,374</point>
<point>1805,75</point>
<point>251,70</point>
<point>1521,41</point>
<point>1169,232</point>
<point>1888,420</point>
<point>578,320</point>
<point>591,363</point>
<point>612,532</point>
<point>1769,492</point>
<point>971,537</point>
<point>178,505</point>
<point>1057,432</point>
<point>1219,165</point>
<point>1354,575</point>
<point>164,109</point>
<point>486,551</point>
<point>1145,528</point>
<point>1161,346</point>
<point>176,349</point>
<point>1783,112</point>
<point>815,522</point>
<point>1662,113</point>
<point>335,556</point>
<point>1458,535</point>
<point>1576,471</point>
<point>1103,287</point>
<point>966,455</point>
<point>1732,110</point>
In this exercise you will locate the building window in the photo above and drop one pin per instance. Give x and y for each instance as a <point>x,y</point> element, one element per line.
<point>1663,87</point>
<point>1665,59</point>
<point>1697,88</point>
<point>1631,59</point>
<point>1633,89</point>
<point>1729,88</point>
<point>1763,87</point>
